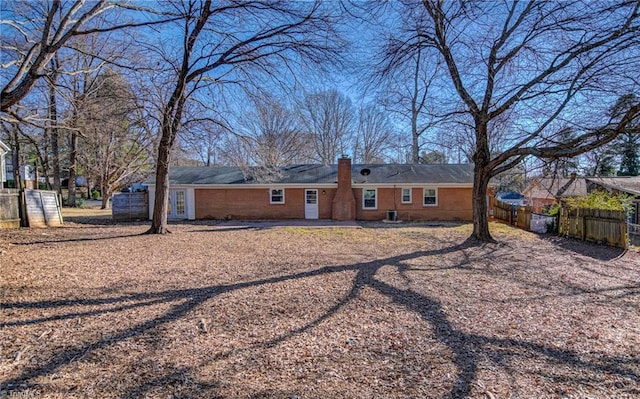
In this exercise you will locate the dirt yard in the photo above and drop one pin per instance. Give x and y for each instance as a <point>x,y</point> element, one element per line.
<point>232,311</point>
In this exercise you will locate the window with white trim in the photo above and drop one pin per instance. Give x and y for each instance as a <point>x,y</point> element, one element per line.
<point>276,196</point>
<point>369,198</point>
<point>430,197</point>
<point>406,195</point>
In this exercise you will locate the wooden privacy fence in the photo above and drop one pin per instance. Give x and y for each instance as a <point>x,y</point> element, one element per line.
<point>9,208</point>
<point>504,211</point>
<point>514,215</point>
<point>130,206</point>
<point>596,225</point>
<point>523,217</point>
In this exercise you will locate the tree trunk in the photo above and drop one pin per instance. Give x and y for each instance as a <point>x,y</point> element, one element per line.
<point>73,164</point>
<point>481,177</point>
<point>415,145</point>
<point>106,195</point>
<point>15,158</point>
<point>159,221</point>
<point>44,159</point>
<point>53,117</point>
<point>480,214</point>
<point>415,112</point>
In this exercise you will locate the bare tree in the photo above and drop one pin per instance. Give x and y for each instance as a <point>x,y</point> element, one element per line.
<point>115,150</point>
<point>552,64</point>
<point>407,76</point>
<point>52,123</point>
<point>31,42</point>
<point>225,42</point>
<point>202,141</point>
<point>329,117</point>
<point>38,29</point>
<point>274,134</point>
<point>374,135</point>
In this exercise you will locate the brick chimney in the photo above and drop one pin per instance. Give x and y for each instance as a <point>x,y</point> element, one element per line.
<point>344,203</point>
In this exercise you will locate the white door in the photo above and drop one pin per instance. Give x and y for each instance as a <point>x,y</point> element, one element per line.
<point>177,208</point>
<point>311,204</point>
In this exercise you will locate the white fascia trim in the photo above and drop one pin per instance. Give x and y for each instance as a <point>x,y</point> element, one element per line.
<point>250,186</point>
<point>316,185</point>
<point>412,185</point>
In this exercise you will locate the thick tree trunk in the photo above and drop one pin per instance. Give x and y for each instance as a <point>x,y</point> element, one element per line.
<point>481,177</point>
<point>159,221</point>
<point>480,214</point>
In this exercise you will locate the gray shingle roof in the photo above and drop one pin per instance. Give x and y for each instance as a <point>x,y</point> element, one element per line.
<point>551,188</point>
<point>405,174</point>
<point>324,174</point>
<point>627,184</point>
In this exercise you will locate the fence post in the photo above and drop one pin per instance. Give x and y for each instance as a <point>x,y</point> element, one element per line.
<point>24,222</point>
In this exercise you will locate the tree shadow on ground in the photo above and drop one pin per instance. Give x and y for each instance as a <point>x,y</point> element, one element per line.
<point>468,349</point>
<point>77,239</point>
<point>591,250</point>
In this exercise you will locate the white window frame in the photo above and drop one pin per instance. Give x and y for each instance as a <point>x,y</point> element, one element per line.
<point>410,195</point>
<point>375,199</point>
<point>271,201</point>
<point>424,195</point>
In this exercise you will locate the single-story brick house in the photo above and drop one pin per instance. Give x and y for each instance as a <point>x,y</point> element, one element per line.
<point>340,192</point>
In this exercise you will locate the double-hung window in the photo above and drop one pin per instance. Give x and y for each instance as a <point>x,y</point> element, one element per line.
<point>369,198</point>
<point>276,196</point>
<point>430,197</point>
<point>406,195</point>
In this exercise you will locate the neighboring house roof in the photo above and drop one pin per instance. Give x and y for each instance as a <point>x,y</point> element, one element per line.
<point>509,196</point>
<point>459,174</point>
<point>551,188</point>
<point>3,148</point>
<point>627,184</point>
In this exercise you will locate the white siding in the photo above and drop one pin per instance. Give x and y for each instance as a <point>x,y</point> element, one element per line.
<point>152,199</point>
<point>191,204</point>
<point>190,200</point>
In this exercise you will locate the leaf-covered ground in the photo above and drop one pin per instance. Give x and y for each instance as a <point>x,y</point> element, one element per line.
<point>260,311</point>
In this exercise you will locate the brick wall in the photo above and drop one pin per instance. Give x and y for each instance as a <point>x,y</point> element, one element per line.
<point>453,204</point>
<point>539,204</point>
<point>253,203</point>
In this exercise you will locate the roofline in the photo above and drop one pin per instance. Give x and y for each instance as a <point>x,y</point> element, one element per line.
<point>314,185</point>
<point>608,185</point>
<point>250,185</point>
<point>6,147</point>
<point>413,185</point>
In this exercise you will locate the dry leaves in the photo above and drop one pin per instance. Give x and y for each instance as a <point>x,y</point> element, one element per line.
<point>408,311</point>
